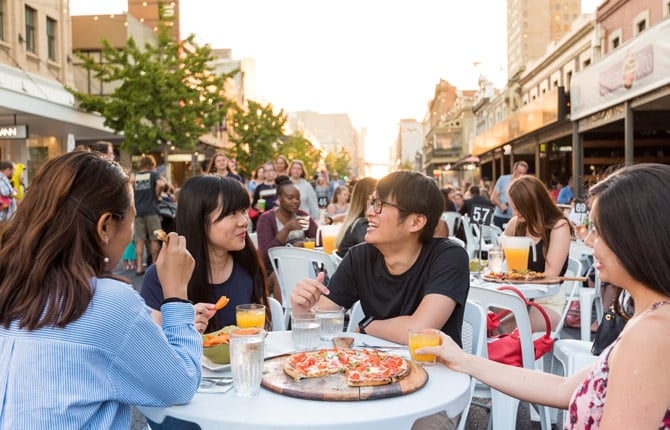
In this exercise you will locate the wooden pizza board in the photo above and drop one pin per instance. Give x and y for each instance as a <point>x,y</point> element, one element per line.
<point>547,280</point>
<point>334,387</point>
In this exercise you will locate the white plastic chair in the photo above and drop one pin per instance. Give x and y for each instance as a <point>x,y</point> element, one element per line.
<point>277,310</point>
<point>453,220</point>
<point>587,298</point>
<point>572,290</point>
<point>473,237</point>
<point>254,238</point>
<point>458,241</point>
<point>355,315</point>
<point>473,336</point>
<point>574,355</point>
<point>503,407</point>
<point>293,264</point>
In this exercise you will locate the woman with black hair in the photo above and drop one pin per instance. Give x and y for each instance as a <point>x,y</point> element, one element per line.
<point>212,215</point>
<point>283,225</point>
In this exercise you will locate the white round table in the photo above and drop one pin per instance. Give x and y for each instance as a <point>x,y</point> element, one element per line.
<point>445,391</point>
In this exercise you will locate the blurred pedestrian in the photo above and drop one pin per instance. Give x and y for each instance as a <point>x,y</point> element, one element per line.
<point>7,192</point>
<point>148,187</point>
<point>503,212</point>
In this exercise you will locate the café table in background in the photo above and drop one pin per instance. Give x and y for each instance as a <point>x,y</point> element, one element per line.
<point>445,390</point>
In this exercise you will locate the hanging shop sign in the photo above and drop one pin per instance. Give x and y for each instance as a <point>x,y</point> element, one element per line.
<point>635,68</point>
<point>10,132</point>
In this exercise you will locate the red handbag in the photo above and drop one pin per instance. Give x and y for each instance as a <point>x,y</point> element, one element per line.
<point>506,348</point>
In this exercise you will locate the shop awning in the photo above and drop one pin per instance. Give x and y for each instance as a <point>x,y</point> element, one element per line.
<point>460,164</point>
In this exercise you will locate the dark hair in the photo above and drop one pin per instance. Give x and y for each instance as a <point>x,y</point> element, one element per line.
<point>199,199</point>
<point>51,248</point>
<point>4,164</point>
<point>414,192</point>
<point>532,200</point>
<point>101,146</point>
<point>282,182</point>
<point>474,190</point>
<point>631,204</point>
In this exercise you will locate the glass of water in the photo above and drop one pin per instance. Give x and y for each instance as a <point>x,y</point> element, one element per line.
<point>332,321</point>
<point>305,331</point>
<point>496,257</point>
<point>246,360</point>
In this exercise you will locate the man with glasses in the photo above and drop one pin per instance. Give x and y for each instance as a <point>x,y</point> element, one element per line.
<point>403,277</point>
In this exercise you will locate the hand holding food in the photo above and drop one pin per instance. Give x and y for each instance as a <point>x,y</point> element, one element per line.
<point>174,266</point>
<point>161,235</point>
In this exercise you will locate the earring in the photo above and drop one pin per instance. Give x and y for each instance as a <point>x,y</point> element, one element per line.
<point>106,260</point>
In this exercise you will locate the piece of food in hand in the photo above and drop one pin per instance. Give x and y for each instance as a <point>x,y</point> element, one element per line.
<point>221,303</point>
<point>161,235</point>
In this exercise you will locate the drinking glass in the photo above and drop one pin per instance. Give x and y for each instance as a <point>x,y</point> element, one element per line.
<point>305,331</point>
<point>419,338</point>
<point>304,221</point>
<point>496,257</point>
<point>309,243</point>
<point>332,321</point>
<point>251,315</point>
<point>246,360</point>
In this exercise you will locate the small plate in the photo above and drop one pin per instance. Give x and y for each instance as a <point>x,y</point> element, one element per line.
<point>210,365</point>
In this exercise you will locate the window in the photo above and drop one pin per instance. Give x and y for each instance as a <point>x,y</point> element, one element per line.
<point>641,26</point>
<point>51,39</point>
<point>30,29</point>
<point>615,42</point>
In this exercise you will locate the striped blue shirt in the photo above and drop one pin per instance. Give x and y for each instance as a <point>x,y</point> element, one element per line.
<point>87,374</point>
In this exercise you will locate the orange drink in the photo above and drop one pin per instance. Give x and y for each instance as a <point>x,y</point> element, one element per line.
<point>251,315</point>
<point>517,258</point>
<point>308,243</point>
<point>328,244</point>
<point>419,338</point>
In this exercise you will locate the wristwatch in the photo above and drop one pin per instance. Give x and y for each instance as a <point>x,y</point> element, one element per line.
<point>364,323</point>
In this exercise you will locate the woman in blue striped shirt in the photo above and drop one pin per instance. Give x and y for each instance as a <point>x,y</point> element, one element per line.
<point>78,347</point>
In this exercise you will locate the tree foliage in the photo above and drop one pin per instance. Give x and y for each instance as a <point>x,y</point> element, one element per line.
<point>339,162</point>
<point>255,133</point>
<point>297,147</point>
<point>163,93</point>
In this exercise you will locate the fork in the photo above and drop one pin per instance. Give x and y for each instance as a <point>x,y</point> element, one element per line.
<point>367,345</point>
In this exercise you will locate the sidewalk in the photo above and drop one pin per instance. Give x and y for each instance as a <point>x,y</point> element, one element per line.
<point>477,418</point>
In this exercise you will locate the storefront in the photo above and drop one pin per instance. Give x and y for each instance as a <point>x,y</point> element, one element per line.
<point>621,106</point>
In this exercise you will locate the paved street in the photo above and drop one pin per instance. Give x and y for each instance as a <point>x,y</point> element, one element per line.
<point>477,418</point>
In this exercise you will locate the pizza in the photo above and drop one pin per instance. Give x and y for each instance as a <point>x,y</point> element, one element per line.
<point>516,275</point>
<point>361,367</point>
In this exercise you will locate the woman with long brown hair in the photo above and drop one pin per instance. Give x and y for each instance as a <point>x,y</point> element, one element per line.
<point>77,346</point>
<point>355,223</point>
<point>536,216</point>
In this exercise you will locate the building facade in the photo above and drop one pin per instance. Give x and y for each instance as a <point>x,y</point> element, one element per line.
<point>38,116</point>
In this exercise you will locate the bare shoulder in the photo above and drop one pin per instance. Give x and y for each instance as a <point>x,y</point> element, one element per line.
<point>647,333</point>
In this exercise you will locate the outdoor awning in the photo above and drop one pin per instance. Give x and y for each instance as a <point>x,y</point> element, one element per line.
<point>464,162</point>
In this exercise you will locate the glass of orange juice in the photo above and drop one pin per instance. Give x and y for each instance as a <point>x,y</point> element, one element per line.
<point>517,258</point>
<point>419,338</point>
<point>250,315</point>
<point>309,243</point>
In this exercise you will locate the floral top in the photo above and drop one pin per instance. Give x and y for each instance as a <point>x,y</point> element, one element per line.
<point>588,401</point>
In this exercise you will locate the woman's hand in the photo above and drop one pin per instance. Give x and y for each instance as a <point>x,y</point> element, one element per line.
<point>174,267</point>
<point>448,352</point>
<point>203,313</point>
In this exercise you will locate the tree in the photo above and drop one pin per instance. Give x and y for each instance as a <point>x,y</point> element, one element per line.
<point>297,147</point>
<point>165,93</point>
<point>255,132</point>
<point>339,163</point>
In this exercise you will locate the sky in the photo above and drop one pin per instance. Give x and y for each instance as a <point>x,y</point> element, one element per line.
<point>377,61</point>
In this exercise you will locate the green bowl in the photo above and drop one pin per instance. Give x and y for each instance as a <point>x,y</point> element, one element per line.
<point>219,354</point>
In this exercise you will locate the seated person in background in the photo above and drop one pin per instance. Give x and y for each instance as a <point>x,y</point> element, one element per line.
<point>402,276</point>
<point>536,216</point>
<point>337,209</point>
<point>78,346</point>
<point>600,396</point>
<point>355,224</point>
<point>212,215</point>
<point>475,200</point>
<point>282,226</point>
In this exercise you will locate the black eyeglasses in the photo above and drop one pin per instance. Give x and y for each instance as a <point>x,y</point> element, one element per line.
<point>378,204</point>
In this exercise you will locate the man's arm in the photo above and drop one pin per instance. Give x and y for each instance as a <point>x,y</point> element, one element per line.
<point>433,312</point>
